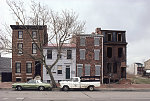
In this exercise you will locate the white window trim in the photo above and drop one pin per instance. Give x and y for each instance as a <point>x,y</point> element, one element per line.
<point>98,50</point>
<point>80,41</point>
<point>90,68</point>
<point>99,69</point>
<point>84,54</point>
<point>94,41</point>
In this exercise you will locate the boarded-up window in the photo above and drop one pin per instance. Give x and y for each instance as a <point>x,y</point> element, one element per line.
<point>96,41</point>
<point>96,54</point>
<point>97,70</point>
<point>79,70</point>
<point>82,41</point>
<point>109,52</point>
<point>59,69</point>
<point>82,53</point>
<point>109,67</point>
<point>115,68</point>
<point>120,52</point>
<point>87,70</point>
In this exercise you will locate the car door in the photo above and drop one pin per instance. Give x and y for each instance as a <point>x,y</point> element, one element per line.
<point>30,84</point>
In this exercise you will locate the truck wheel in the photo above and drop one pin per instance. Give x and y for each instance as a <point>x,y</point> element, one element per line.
<point>19,88</point>
<point>65,88</point>
<point>41,88</point>
<point>91,88</point>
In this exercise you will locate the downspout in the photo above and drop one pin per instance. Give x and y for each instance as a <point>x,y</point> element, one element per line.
<point>102,60</point>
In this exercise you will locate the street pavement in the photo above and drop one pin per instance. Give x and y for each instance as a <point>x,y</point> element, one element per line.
<point>78,95</point>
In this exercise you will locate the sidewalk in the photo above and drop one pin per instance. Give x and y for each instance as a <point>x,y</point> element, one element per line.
<point>103,87</point>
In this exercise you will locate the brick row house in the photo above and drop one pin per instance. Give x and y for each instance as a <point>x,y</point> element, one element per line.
<point>24,67</point>
<point>102,53</point>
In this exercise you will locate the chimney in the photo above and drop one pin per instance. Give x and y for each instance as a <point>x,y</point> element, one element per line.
<point>17,23</point>
<point>98,30</point>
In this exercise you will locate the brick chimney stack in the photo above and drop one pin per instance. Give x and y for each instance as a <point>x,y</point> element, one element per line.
<point>98,31</point>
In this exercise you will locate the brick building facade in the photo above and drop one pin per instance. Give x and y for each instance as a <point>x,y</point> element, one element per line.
<point>25,51</point>
<point>89,54</point>
<point>114,55</point>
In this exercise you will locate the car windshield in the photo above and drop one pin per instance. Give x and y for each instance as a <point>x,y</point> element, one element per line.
<point>31,81</point>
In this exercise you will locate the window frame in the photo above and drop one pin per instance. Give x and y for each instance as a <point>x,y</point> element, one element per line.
<point>69,54</point>
<point>27,71</point>
<point>34,48</point>
<point>88,73</point>
<point>51,56</point>
<point>84,52</point>
<point>59,71</point>
<point>95,38</point>
<point>84,41</point>
<point>79,66</point>
<point>16,67</point>
<point>95,55</point>
<point>20,49</point>
<point>34,34</point>
<point>119,38</point>
<point>97,70</point>
<point>108,36</point>
<point>20,34</point>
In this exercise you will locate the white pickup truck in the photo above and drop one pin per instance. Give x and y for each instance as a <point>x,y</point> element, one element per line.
<point>76,82</point>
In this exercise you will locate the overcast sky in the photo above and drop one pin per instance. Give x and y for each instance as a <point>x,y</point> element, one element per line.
<point>133,16</point>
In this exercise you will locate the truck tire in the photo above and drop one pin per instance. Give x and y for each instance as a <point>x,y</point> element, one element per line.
<point>91,88</point>
<point>65,88</point>
<point>19,88</point>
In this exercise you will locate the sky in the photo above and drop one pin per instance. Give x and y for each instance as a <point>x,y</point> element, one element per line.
<point>129,15</point>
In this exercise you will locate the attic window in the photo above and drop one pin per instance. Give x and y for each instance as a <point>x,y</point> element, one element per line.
<point>119,37</point>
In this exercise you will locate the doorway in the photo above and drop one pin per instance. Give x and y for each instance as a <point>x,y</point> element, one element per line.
<point>123,72</point>
<point>67,72</point>
<point>37,68</point>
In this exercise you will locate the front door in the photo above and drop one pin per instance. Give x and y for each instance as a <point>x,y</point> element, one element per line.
<point>67,73</point>
<point>37,68</point>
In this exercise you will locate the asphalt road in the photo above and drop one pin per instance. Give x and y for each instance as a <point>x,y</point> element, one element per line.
<point>9,95</point>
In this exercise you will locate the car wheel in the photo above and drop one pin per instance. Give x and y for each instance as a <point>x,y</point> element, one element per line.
<point>41,88</point>
<point>65,88</point>
<point>19,88</point>
<point>91,88</point>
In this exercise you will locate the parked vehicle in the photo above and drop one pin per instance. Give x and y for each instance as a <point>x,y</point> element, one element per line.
<point>77,82</point>
<point>32,84</point>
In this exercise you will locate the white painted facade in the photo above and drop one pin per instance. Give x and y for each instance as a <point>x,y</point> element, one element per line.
<point>63,64</point>
<point>132,69</point>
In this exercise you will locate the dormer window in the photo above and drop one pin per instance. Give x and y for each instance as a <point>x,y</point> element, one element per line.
<point>119,37</point>
<point>109,37</point>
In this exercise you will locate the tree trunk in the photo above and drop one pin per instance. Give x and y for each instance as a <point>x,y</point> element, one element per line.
<point>52,79</point>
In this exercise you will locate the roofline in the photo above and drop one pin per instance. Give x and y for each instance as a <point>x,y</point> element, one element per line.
<point>92,35</point>
<point>114,30</point>
<point>39,27</point>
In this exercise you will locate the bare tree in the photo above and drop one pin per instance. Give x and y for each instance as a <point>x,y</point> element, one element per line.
<point>61,27</point>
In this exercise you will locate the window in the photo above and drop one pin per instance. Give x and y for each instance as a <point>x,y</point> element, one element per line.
<point>59,69</point>
<point>69,54</point>
<point>96,54</point>
<point>20,48</point>
<point>109,52</point>
<point>34,34</point>
<point>108,67</point>
<point>115,68</point>
<point>82,41</point>
<point>28,67</point>
<point>96,41</point>
<point>34,50</point>
<point>18,67</point>
<point>120,52</point>
<point>18,79</point>
<point>109,37</point>
<point>97,70</point>
<point>59,55</point>
<point>79,70</point>
<point>87,70</point>
<point>20,34</point>
<point>119,37</point>
<point>82,53</point>
<point>49,54</point>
